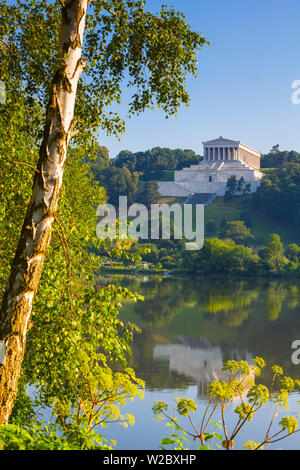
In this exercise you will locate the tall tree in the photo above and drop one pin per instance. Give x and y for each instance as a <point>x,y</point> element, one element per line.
<point>273,253</point>
<point>99,160</point>
<point>36,232</point>
<point>150,194</point>
<point>41,47</point>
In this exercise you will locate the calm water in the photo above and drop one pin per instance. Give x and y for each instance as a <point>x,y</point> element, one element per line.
<point>189,329</point>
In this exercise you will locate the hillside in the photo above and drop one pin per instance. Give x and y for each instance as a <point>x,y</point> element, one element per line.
<point>262,226</point>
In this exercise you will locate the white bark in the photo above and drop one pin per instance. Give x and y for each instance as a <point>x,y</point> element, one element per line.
<point>35,237</point>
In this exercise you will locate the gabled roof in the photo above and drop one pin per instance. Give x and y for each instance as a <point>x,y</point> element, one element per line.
<point>221,141</point>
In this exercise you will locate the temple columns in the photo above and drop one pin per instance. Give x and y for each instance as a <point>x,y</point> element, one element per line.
<point>219,153</point>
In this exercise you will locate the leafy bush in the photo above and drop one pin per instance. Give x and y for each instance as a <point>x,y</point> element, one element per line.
<point>239,385</point>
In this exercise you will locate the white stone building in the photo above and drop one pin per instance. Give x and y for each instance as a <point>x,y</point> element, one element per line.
<point>222,158</point>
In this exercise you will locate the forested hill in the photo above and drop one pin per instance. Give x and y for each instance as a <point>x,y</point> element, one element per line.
<point>131,173</point>
<point>279,193</point>
<point>152,162</point>
<point>127,173</point>
<point>277,158</point>
<point>252,221</point>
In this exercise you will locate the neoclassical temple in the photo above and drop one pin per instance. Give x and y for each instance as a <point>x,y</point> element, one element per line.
<point>229,150</point>
<point>222,158</point>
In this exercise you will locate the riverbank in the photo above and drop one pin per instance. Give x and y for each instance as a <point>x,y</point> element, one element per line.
<point>195,275</point>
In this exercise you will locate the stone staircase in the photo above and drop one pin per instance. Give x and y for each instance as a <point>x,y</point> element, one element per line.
<point>200,198</point>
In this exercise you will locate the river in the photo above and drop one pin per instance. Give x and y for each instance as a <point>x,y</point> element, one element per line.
<point>190,327</point>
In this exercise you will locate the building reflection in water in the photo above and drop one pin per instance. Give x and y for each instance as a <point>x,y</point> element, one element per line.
<point>196,359</point>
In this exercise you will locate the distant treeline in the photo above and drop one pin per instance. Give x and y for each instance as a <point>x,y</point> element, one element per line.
<point>278,195</point>
<point>220,257</point>
<point>152,162</point>
<point>277,158</point>
<point>121,175</point>
<point>226,257</point>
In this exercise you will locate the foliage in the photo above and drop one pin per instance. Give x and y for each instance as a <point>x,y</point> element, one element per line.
<point>98,160</point>
<point>128,168</point>
<point>237,231</point>
<point>273,253</point>
<point>292,252</point>
<point>77,337</point>
<point>150,194</point>
<point>278,195</point>
<point>122,39</point>
<point>245,216</point>
<point>71,317</point>
<point>118,182</point>
<point>238,384</point>
<point>211,228</point>
<point>277,158</point>
<point>152,163</point>
<point>226,256</point>
<point>221,256</point>
<point>234,187</point>
<point>48,437</point>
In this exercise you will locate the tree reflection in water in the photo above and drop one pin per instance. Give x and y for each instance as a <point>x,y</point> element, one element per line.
<point>236,319</point>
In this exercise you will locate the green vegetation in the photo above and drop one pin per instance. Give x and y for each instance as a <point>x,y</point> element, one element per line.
<point>77,347</point>
<point>262,224</point>
<point>63,334</point>
<point>71,318</point>
<point>237,231</point>
<point>128,173</point>
<point>150,194</point>
<point>276,158</point>
<point>279,195</point>
<point>238,383</point>
<point>235,186</point>
<point>152,163</point>
<point>118,182</point>
<point>224,257</point>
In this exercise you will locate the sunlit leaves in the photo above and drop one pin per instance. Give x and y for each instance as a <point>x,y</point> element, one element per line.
<point>185,406</point>
<point>287,383</point>
<point>251,397</point>
<point>124,43</point>
<point>251,445</point>
<point>245,410</point>
<point>258,395</point>
<point>159,408</point>
<point>289,424</point>
<point>237,367</point>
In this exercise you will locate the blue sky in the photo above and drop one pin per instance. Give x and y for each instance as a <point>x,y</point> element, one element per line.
<point>243,91</point>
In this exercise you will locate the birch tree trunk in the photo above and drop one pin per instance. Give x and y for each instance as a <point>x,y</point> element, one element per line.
<point>15,315</point>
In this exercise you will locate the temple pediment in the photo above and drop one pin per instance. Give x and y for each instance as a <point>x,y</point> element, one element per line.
<point>221,141</point>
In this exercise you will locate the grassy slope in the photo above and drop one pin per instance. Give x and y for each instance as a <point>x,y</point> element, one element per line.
<point>262,225</point>
<point>231,210</point>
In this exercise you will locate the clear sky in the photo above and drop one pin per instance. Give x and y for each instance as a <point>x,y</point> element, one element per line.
<point>244,87</point>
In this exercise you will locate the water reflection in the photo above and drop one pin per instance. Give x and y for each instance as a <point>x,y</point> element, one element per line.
<point>191,327</point>
<point>235,319</point>
<point>197,360</point>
